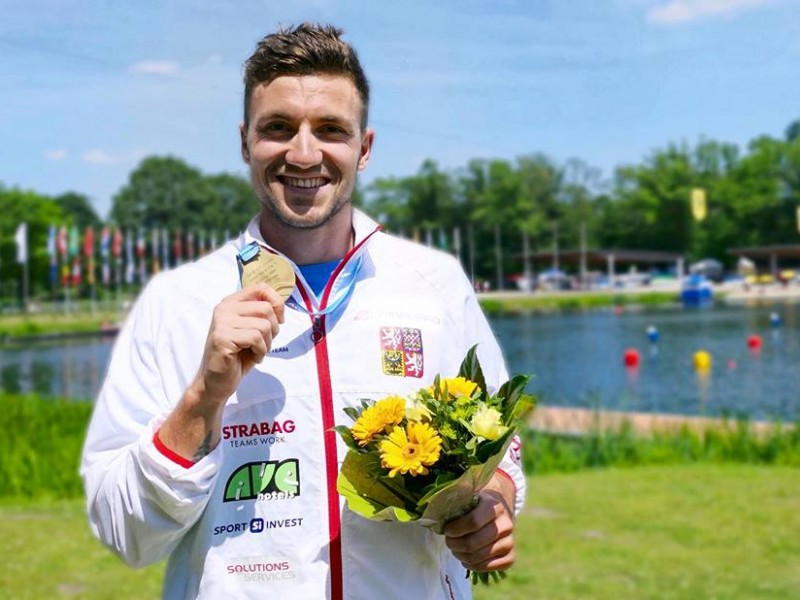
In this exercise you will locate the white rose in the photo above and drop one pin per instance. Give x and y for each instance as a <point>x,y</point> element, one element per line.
<point>486,423</point>
<point>416,410</point>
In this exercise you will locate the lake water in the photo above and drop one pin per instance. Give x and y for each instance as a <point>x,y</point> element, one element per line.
<point>576,360</point>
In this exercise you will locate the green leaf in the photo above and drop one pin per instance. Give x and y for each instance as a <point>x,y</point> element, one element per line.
<point>471,368</point>
<point>495,447</point>
<point>524,405</point>
<point>359,482</point>
<point>346,436</point>
<point>352,412</point>
<point>454,498</point>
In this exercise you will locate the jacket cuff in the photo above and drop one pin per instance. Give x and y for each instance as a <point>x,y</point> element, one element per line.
<point>173,456</point>
<point>511,467</point>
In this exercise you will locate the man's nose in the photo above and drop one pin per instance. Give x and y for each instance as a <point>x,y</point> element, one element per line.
<point>304,151</point>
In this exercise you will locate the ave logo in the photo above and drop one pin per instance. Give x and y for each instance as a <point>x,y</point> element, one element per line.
<point>268,480</point>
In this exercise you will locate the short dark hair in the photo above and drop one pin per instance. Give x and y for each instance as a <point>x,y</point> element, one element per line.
<point>307,49</point>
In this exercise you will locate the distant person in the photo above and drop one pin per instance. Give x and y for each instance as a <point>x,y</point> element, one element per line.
<point>211,441</point>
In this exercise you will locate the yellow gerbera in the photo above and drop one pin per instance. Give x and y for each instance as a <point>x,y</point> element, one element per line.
<point>458,387</point>
<point>411,450</point>
<point>378,418</point>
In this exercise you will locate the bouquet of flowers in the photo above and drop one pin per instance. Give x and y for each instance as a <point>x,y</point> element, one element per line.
<point>425,457</point>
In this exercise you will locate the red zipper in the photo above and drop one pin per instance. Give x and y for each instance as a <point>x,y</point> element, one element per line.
<point>318,336</point>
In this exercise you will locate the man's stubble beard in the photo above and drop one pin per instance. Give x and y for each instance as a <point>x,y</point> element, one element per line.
<point>268,204</point>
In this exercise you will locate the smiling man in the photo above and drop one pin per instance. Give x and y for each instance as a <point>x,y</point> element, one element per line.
<point>212,442</point>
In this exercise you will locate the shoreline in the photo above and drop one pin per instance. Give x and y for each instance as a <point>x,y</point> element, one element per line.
<point>42,326</point>
<point>727,293</point>
<point>581,421</point>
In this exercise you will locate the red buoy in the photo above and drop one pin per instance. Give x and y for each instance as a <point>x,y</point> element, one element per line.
<point>754,342</point>
<point>631,357</point>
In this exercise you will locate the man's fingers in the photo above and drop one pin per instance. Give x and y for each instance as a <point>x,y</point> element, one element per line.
<point>483,539</point>
<point>232,341</point>
<point>269,328</point>
<point>261,292</point>
<point>480,539</point>
<point>485,512</point>
<point>501,556</point>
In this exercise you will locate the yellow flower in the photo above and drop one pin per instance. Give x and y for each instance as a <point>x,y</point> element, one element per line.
<point>458,387</point>
<point>378,418</point>
<point>486,423</point>
<point>416,410</point>
<point>411,450</point>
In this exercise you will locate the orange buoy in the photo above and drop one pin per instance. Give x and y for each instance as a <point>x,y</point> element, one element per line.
<point>631,357</point>
<point>754,342</point>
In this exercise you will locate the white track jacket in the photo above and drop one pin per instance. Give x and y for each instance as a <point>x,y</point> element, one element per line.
<point>260,515</point>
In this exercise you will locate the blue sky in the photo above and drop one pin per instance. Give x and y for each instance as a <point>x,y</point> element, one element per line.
<point>88,88</point>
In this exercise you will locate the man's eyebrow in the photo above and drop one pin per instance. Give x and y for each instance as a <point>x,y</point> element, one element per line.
<point>284,116</point>
<point>272,116</point>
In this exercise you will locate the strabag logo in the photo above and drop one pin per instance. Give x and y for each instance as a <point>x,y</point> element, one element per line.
<point>264,480</point>
<point>401,351</point>
<point>262,432</point>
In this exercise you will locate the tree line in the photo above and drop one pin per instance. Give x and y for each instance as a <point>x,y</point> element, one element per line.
<point>490,211</point>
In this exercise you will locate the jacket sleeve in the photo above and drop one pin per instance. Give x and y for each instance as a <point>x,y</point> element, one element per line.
<point>478,331</point>
<point>140,503</point>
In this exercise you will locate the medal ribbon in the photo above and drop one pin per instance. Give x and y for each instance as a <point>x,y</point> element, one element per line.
<point>343,286</point>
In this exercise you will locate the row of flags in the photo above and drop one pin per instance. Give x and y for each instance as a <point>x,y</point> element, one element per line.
<point>113,256</point>
<point>122,255</point>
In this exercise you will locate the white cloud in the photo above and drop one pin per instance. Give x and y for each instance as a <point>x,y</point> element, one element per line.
<point>55,154</point>
<point>99,158</point>
<point>155,67</point>
<point>683,11</point>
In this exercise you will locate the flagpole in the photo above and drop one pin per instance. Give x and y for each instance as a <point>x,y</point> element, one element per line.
<point>25,286</point>
<point>21,238</point>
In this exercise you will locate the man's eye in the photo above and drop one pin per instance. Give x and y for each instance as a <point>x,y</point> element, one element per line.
<point>333,129</point>
<point>276,127</point>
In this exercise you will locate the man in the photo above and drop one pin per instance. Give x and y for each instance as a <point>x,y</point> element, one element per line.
<point>211,442</point>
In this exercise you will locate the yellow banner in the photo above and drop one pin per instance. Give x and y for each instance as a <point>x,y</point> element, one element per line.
<point>699,204</point>
<point>798,218</point>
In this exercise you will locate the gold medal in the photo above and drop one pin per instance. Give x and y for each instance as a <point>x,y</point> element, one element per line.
<point>271,269</point>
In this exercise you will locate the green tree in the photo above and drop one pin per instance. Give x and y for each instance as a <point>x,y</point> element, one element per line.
<point>537,209</point>
<point>39,212</point>
<point>386,199</point>
<point>793,131</point>
<point>161,192</point>
<point>230,203</point>
<point>761,213</point>
<point>650,207</point>
<point>493,190</point>
<point>166,192</point>
<point>78,210</point>
<point>430,197</point>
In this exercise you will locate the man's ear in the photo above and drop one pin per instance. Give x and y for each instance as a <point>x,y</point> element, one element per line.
<point>366,148</point>
<point>243,141</point>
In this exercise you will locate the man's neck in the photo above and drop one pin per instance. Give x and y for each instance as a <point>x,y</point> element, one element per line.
<point>310,246</point>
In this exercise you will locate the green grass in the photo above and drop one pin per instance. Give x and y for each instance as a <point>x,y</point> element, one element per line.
<point>42,440</point>
<point>734,441</point>
<point>49,552</point>
<point>24,325</point>
<point>525,304</point>
<point>669,532</point>
<point>41,445</point>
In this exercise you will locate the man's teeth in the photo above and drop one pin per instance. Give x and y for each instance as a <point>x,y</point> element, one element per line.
<point>305,183</point>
